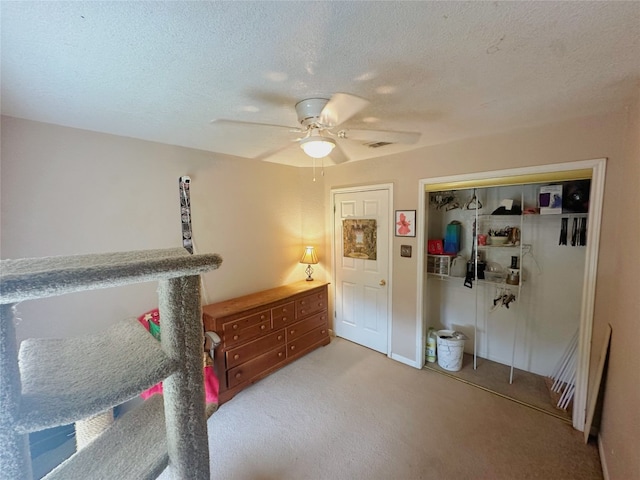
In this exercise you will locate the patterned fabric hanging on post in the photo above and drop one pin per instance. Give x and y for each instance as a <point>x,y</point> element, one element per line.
<point>185,213</point>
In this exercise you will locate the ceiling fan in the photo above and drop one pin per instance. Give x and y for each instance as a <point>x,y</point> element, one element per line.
<point>320,132</point>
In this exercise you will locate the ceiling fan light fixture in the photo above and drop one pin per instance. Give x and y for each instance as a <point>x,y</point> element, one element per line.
<point>317,146</point>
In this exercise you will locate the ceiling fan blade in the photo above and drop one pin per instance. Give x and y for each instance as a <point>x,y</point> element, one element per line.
<point>246,126</point>
<point>249,140</point>
<point>376,136</point>
<point>337,155</point>
<point>276,150</point>
<point>341,108</point>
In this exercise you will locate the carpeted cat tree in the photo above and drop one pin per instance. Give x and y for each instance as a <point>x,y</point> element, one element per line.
<point>51,382</point>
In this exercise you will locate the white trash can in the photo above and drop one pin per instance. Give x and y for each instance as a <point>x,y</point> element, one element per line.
<point>450,349</point>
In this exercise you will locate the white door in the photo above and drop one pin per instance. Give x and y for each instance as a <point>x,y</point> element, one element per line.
<point>362,237</point>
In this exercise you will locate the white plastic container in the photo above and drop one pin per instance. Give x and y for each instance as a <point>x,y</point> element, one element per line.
<point>432,340</point>
<point>450,349</point>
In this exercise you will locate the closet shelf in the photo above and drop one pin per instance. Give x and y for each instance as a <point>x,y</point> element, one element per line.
<point>499,216</point>
<point>64,380</point>
<point>140,449</point>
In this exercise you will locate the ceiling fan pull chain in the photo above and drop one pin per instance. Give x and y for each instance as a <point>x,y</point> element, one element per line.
<point>314,169</point>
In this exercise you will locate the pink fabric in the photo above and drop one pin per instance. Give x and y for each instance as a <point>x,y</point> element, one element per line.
<point>211,382</point>
<point>211,386</point>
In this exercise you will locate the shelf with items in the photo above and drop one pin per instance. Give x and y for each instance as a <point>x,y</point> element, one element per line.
<point>497,251</point>
<point>486,265</point>
<point>550,278</point>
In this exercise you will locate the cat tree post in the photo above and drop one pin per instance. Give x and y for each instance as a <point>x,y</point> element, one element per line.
<point>184,398</point>
<point>15,460</point>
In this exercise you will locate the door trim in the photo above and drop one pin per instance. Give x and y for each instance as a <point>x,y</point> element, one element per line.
<point>597,167</point>
<point>366,188</point>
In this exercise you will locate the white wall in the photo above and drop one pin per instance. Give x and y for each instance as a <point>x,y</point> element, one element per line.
<point>68,191</point>
<point>618,304</point>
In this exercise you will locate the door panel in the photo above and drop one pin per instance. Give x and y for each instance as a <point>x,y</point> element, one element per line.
<point>362,284</point>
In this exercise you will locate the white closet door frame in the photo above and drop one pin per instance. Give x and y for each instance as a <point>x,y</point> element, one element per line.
<point>597,167</point>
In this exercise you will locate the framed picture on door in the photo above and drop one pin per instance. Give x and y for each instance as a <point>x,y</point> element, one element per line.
<point>405,223</point>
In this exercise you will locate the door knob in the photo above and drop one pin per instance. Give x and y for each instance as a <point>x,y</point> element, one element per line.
<point>382,283</point>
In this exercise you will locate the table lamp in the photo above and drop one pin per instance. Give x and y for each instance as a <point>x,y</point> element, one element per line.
<point>309,257</point>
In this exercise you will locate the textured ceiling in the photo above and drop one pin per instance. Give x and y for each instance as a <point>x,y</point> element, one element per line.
<point>163,71</point>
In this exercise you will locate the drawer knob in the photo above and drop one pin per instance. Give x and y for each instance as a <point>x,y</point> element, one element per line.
<point>303,312</point>
<point>236,356</point>
<point>238,375</point>
<point>235,337</point>
<point>292,332</point>
<point>235,327</point>
<point>279,337</point>
<point>322,331</point>
<point>262,327</point>
<point>302,302</point>
<point>293,347</point>
<point>261,317</point>
<point>284,309</point>
<point>279,354</point>
<point>284,319</point>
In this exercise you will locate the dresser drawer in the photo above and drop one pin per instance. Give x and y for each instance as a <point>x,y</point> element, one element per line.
<point>252,368</point>
<point>246,322</point>
<point>283,315</point>
<point>232,338</point>
<point>305,341</point>
<point>298,329</point>
<point>246,352</point>
<point>311,304</point>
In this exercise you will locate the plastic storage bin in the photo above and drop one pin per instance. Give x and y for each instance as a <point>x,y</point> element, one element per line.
<point>450,349</point>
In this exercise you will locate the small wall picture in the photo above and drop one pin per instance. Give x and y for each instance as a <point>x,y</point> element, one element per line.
<point>405,223</point>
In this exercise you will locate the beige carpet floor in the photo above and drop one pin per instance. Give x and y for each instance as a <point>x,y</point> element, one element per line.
<point>346,412</point>
<point>528,388</point>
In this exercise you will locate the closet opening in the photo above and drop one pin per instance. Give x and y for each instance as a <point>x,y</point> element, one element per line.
<point>507,260</point>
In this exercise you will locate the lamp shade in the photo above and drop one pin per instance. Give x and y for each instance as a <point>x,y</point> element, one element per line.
<point>309,256</point>
<point>316,146</point>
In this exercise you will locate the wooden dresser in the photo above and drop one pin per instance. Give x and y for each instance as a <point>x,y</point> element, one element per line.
<point>265,331</point>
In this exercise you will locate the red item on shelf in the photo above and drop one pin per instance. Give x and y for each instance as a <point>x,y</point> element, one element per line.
<point>435,247</point>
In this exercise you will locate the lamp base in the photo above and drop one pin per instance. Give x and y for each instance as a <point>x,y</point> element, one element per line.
<point>309,271</point>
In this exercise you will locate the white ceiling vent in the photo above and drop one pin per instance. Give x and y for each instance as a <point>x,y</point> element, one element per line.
<point>377,144</point>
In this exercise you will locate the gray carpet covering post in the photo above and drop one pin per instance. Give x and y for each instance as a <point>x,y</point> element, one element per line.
<point>14,449</point>
<point>347,412</point>
<point>183,340</point>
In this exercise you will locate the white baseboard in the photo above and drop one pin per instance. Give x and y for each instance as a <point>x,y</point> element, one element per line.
<point>603,461</point>
<point>405,360</point>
